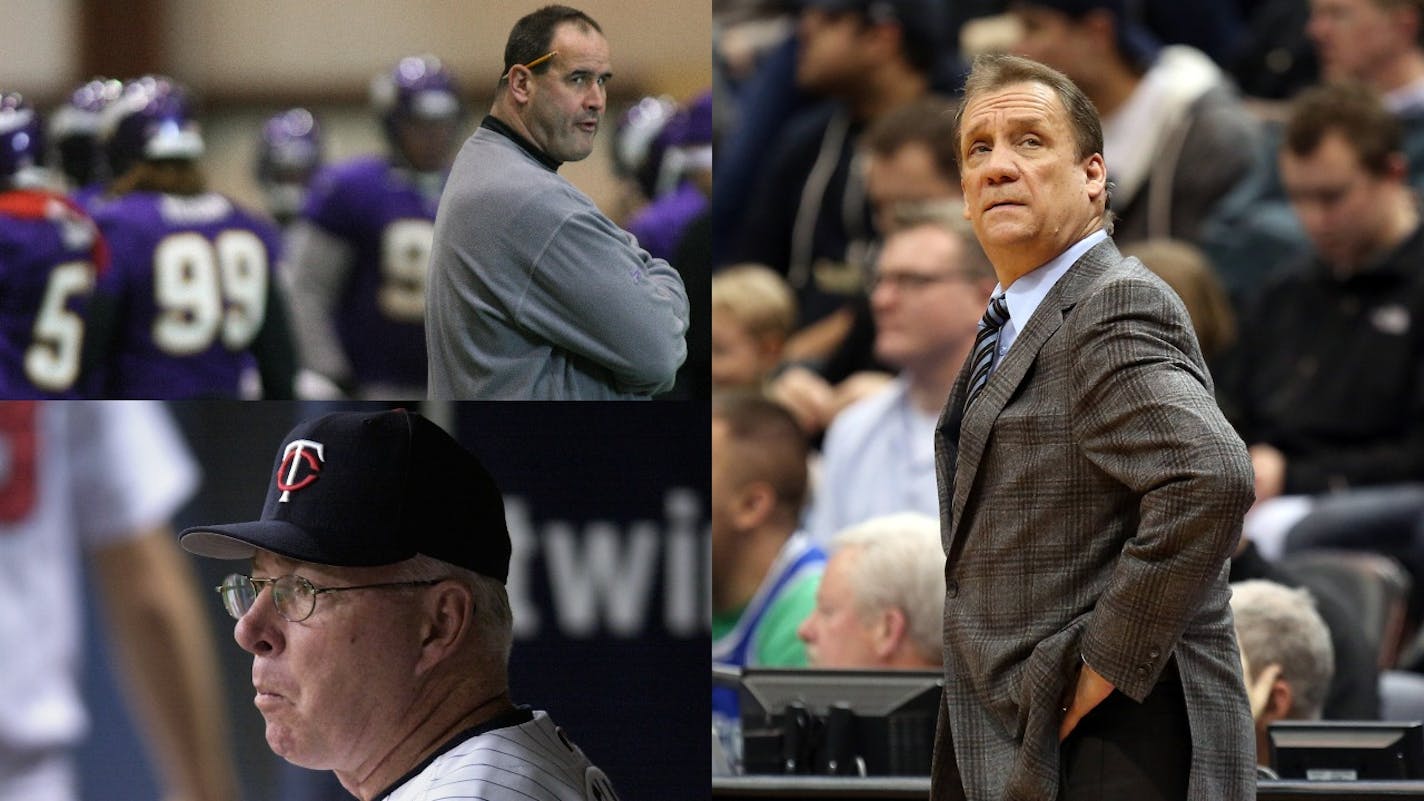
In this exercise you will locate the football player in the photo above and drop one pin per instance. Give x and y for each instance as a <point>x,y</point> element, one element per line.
<point>357,259</point>
<point>637,153</point>
<point>190,306</point>
<point>684,183</point>
<point>74,128</point>
<point>50,253</point>
<point>289,153</point>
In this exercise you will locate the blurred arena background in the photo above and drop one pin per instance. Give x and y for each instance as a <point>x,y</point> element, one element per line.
<point>246,59</point>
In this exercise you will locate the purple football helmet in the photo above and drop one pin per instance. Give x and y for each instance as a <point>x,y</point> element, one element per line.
<point>637,145</point>
<point>289,153</point>
<point>418,90</point>
<point>74,129</point>
<point>686,142</point>
<point>22,139</point>
<point>151,120</point>
<point>692,125</point>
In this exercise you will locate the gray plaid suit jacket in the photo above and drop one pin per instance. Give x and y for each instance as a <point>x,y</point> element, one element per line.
<point>1089,500</point>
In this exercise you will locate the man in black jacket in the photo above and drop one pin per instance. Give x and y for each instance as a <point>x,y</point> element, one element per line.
<point>1328,386</point>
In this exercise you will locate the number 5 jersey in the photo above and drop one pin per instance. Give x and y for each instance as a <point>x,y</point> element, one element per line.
<point>50,253</point>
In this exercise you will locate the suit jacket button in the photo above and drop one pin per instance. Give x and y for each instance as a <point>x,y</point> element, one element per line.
<point>951,588</point>
<point>1141,670</point>
<point>1154,653</point>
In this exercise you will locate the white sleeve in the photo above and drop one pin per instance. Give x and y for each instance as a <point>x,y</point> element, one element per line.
<point>132,468</point>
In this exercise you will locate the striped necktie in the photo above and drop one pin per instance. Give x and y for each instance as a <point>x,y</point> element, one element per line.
<point>985,344</point>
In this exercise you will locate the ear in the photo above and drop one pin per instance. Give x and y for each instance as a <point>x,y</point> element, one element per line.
<point>521,83</point>
<point>753,504</point>
<point>1279,702</point>
<point>1096,171</point>
<point>447,617</point>
<point>889,632</point>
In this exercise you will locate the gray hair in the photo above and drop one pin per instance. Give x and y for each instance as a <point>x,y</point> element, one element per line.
<point>1279,625</point>
<point>493,621</point>
<point>899,564</point>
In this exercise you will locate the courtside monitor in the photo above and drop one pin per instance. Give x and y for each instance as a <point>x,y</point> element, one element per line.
<point>839,722</point>
<point>1331,750</point>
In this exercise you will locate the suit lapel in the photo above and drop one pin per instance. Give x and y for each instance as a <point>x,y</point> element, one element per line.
<point>977,423</point>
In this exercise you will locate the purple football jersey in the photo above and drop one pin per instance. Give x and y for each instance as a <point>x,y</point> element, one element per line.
<point>50,252</point>
<point>191,275</point>
<point>660,225</point>
<point>389,223</point>
<point>90,198</point>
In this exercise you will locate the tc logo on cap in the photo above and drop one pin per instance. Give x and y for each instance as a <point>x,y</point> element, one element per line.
<point>301,462</point>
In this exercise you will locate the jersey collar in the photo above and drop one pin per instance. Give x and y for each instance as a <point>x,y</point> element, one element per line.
<point>514,717</point>
<point>500,127</point>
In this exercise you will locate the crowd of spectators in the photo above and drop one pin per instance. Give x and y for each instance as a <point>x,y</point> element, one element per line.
<point>1265,159</point>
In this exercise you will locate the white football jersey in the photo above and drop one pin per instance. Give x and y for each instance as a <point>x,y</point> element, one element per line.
<point>530,761</point>
<point>74,476</point>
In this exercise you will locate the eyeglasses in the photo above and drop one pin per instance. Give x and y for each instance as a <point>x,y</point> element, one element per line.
<point>912,282</point>
<point>294,596</point>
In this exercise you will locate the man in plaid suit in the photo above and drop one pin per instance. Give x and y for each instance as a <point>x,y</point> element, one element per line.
<point>1090,492</point>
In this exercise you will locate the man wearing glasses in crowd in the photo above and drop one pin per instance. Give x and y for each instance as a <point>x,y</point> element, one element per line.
<point>534,294</point>
<point>378,620</point>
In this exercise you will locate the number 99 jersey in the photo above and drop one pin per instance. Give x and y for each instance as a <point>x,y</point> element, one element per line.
<point>192,278</point>
<point>50,253</point>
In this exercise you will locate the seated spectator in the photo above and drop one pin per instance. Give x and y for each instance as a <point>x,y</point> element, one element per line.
<point>1286,655</point>
<point>753,312</point>
<point>880,603</point>
<point>1354,692</point>
<point>1176,136</point>
<point>764,571</point>
<point>931,286</point>
<point>1327,389</point>
<point>910,178</point>
<point>808,217</point>
<point>1376,42</point>
<point>910,168</point>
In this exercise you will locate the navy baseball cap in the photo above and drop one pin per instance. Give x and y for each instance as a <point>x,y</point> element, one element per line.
<point>1134,40</point>
<point>364,489</point>
<point>923,21</point>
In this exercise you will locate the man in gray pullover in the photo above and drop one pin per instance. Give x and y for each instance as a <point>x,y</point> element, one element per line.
<point>534,294</point>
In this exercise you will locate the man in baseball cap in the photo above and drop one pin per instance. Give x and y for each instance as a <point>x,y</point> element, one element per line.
<point>378,620</point>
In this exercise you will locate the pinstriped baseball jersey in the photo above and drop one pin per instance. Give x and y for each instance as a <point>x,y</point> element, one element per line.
<point>521,756</point>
